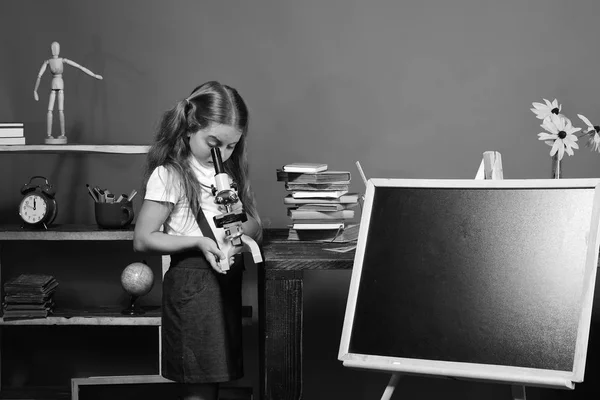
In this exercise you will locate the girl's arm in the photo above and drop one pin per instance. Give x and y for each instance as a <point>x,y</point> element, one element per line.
<point>148,238</point>
<point>251,228</point>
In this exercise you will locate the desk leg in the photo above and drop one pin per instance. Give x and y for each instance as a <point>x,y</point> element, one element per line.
<point>280,321</point>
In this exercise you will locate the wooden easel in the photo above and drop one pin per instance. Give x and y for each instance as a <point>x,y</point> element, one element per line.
<point>389,390</point>
<point>490,168</point>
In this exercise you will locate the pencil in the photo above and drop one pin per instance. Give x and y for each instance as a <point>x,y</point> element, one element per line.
<point>132,195</point>
<point>91,192</point>
<point>100,193</point>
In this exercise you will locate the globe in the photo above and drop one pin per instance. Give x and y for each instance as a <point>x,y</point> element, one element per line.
<point>137,279</point>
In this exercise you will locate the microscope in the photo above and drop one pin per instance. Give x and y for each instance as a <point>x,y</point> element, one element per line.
<point>231,220</point>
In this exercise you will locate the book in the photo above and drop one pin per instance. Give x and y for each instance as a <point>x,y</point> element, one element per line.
<point>12,140</point>
<point>25,291</point>
<point>317,224</point>
<point>331,194</point>
<point>11,315</point>
<point>35,281</point>
<point>340,185</point>
<point>347,198</point>
<point>313,214</point>
<point>48,305</point>
<point>348,234</point>
<point>26,299</point>
<point>29,291</point>
<point>317,177</point>
<point>6,132</point>
<point>305,167</point>
<point>324,207</point>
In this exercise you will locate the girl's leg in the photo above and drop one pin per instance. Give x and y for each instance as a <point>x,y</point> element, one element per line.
<point>199,391</point>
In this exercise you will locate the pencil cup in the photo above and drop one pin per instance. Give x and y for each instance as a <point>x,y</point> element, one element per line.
<point>113,215</point>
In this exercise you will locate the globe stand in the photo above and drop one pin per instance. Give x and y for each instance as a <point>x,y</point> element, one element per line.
<point>133,308</point>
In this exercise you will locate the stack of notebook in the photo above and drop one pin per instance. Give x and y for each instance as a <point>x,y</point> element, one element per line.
<point>29,296</point>
<point>319,203</point>
<point>12,133</point>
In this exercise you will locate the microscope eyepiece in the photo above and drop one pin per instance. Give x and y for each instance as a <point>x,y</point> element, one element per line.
<point>215,152</point>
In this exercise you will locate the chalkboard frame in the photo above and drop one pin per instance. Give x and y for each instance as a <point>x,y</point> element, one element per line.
<point>482,372</point>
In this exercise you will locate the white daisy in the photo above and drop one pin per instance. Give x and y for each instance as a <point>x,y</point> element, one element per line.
<point>561,135</point>
<point>592,132</point>
<point>543,111</point>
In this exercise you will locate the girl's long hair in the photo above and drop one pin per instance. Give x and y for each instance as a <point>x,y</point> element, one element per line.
<point>211,102</point>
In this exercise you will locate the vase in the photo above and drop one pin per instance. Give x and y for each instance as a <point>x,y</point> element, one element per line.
<point>556,167</point>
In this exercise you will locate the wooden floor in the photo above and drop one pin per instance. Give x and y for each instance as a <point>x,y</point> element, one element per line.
<point>138,391</point>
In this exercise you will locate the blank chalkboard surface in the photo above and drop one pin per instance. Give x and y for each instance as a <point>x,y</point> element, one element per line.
<point>489,280</point>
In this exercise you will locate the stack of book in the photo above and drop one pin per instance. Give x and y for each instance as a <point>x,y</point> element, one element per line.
<point>11,134</point>
<point>320,205</point>
<point>29,296</point>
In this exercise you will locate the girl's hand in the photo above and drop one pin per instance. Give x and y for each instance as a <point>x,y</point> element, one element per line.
<point>233,250</point>
<point>213,255</point>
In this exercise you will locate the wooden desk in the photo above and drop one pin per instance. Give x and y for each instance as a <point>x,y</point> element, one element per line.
<point>280,308</point>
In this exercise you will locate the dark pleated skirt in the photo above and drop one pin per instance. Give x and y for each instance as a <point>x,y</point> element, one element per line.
<point>202,321</point>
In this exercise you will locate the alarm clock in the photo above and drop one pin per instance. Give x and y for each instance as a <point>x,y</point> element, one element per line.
<point>38,207</point>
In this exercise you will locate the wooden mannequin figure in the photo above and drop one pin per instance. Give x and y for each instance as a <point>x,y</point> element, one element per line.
<point>56,64</point>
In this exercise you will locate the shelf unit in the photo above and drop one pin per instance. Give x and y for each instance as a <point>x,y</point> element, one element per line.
<point>102,316</point>
<point>76,148</point>
<point>98,316</point>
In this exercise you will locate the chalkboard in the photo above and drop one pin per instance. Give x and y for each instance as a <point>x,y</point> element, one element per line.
<point>488,280</point>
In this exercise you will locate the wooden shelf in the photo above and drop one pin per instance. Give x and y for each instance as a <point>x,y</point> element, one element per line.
<point>64,392</point>
<point>37,393</point>
<point>108,316</point>
<point>96,321</point>
<point>99,316</point>
<point>225,392</point>
<point>65,232</point>
<point>119,380</point>
<point>76,148</point>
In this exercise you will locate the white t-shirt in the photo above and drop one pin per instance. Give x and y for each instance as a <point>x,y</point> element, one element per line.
<point>164,186</point>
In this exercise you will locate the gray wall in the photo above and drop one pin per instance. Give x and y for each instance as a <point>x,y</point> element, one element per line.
<point>411,89</point>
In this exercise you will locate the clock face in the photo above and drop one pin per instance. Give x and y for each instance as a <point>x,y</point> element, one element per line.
<point>33,208</point>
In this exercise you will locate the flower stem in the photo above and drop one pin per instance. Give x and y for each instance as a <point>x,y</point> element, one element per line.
<point>556,167</point>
